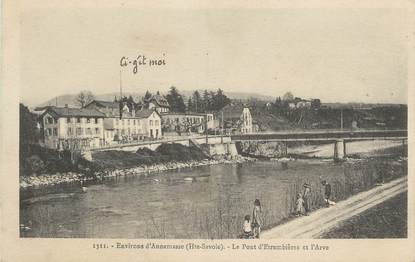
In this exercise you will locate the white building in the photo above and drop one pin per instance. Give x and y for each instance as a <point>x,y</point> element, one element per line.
<point>159,103</point>
<point>72,128</point>
<point>237,118</point>
<point>127,124</point>
<point>194,122</point>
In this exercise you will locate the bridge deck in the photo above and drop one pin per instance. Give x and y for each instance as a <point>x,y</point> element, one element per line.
<point>324,135</point>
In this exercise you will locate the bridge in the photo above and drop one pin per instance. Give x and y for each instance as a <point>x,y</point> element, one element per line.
<point>339,138</point>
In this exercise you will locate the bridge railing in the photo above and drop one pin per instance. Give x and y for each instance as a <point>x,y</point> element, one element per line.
<point>337,134</point>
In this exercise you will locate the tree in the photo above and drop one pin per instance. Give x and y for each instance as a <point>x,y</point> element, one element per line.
<point>83,98</point>
<point>147,96</point>
<point>29,136</point>
<point>288,96</point>
<point>130,99</point>
<point>197,102</point>
<point>190,106</point>
<point>315,103</point>
<point>28,127</point>
<point>206,101</point>
<point>175,100</point>
<point>220,100</point>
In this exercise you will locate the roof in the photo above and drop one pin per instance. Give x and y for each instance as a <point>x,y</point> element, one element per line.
<point>185,114</point>
<point>108,104</point>
<point>111,109</point>
<point>159,100</point>
<point>145,113</point>
<point>73,112</point>
<point>232,111</point>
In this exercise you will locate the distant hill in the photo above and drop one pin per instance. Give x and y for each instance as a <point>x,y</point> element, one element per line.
<point>361,105</point>
<point>69,99</point>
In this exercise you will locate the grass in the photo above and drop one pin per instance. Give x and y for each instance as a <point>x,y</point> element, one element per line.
<point>386,220</point>
<point>225,219</point>
<point>164,153</point>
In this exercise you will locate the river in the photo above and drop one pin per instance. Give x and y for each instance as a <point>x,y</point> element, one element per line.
<point>203,202</point>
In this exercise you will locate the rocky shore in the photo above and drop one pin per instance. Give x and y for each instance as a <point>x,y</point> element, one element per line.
<point>44,180</point>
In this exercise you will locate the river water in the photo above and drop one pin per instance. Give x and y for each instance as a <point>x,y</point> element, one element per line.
<point>203,202</point>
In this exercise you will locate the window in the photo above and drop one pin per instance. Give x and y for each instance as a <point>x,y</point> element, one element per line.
<point>88,120</point>
<point>97,130</point>
<point>134,122</point>
<point>151,122</point>
<point>68,120</point>
<point>55,131</point>
<point>156,122</point>
<point>96,120</point>
<point>49,120</point>
<point>88,131</point>
<point>70,131</point>
<point>117,122</point>
<point>78,120</point>
<point>78,131</point>
<point>128,121</point>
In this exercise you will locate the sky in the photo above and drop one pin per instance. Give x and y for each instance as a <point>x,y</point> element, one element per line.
<point>337,55</point>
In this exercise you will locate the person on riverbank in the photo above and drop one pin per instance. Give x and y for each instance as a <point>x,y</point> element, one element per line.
<point>256,218</point>
<point>299,205</point>
<point>307,198</point>
<point>327,192</point>
<point>247,228</point>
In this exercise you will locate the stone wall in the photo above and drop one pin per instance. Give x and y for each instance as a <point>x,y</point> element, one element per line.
<point>262,148</point>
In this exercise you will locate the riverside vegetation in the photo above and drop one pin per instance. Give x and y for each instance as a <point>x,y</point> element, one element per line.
<point>46,167</point>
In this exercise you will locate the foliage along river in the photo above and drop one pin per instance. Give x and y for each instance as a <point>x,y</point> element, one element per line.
<point>210,205</point>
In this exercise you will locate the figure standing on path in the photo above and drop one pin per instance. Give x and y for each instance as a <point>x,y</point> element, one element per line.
<point>299,205</point>
<point>247,228</point>
<point>256,218</point>
<point>307,198</point>
<point>327,192</point>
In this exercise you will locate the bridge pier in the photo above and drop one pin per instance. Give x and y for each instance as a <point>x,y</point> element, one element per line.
<point>285,148</point>
<point>344,149</point>
<point>339,151</point>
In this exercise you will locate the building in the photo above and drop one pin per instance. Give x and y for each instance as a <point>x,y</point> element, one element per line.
<point>72,128</point>
<point>236,118</point>
<point>187,122</point>
<point>125,123</point>
<point>159,103</point>
<point>304,104</point>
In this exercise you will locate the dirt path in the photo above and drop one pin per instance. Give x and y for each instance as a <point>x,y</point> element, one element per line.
<point>321,220</point>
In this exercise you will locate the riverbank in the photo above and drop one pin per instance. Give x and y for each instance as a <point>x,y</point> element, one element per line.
<point>386,220</point>
<point>45,180</point>
<point>323,220</point>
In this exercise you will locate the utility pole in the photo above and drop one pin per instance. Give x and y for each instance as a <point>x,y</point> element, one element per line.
<point>221,136</point>
<point>206,131</point>
<point>120,102</point>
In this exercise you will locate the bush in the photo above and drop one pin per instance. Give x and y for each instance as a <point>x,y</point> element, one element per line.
<point>178,152</point>
<point>37,159</point>
<point>164,153</point>
<point>34,164</point>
